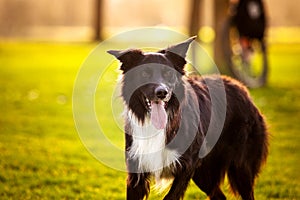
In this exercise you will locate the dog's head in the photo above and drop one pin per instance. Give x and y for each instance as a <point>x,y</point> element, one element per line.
<point>152,79</point>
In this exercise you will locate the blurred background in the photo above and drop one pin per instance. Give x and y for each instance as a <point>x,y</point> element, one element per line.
<point>78,20</point>
<point>42,47</point>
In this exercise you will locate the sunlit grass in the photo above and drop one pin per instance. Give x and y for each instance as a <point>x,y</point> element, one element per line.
<point>42,156</point>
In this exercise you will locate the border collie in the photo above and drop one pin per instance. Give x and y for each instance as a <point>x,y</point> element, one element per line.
<point>171,120</point>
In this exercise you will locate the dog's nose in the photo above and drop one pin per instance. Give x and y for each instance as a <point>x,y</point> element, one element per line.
<point>161,92</point>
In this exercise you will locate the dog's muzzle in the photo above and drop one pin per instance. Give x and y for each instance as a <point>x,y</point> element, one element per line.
<point>161,92</point>
<point>161,95</point>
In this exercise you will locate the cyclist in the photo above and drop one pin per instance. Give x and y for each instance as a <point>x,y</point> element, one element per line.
<point>250,19</point>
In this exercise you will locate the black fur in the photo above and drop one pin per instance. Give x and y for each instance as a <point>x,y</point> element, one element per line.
<point>239,152</point>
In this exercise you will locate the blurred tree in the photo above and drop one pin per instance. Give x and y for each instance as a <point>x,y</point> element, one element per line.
<point>220,8</point>
<point>194,23</point>
<point>220,14</point>
<point>98,20</point>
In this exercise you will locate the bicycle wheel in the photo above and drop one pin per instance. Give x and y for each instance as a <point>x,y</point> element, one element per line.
<point>248,64</point>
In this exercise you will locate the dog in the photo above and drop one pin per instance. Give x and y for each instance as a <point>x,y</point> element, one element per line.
<point>172,122</point>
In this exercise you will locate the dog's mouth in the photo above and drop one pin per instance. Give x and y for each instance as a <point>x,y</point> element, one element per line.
<point>149,103</point>
<point>157,110</point>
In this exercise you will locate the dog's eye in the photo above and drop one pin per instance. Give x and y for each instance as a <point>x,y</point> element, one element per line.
<point>146,74</point>
<point>167,73</point>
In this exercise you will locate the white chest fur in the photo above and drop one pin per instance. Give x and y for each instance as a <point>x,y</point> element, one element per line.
<point>149,148</point>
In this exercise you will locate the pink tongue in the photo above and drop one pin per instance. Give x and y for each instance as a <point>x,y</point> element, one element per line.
<point>158,115</point>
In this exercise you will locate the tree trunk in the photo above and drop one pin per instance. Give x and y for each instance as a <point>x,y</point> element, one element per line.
<point>194,21</point>
<point>98,20</point>
<point>220,14</point>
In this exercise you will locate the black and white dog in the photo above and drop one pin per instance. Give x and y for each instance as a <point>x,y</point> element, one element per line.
<point>171,120</point>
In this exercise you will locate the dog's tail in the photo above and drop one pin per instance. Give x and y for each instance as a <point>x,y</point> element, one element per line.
<point>242,174</point>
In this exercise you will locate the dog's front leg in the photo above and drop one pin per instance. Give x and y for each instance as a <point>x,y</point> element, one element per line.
<point>179,186</point>
<point>138,186</point>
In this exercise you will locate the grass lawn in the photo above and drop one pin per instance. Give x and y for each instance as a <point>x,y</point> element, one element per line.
<point>42,156</point>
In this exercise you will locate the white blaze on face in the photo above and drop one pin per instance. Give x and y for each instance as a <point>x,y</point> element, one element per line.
<point>159,116</point>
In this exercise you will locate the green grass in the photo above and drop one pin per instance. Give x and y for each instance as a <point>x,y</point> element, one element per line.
<point>42,156</point>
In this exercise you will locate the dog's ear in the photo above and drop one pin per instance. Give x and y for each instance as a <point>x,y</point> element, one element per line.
<point>177,53</point>
<point>181,48</point>
<point>128,58</point>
